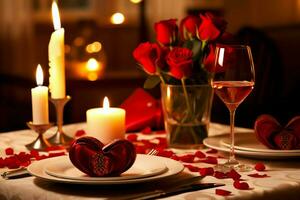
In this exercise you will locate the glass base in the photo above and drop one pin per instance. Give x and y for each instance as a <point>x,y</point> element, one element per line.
<point>227,167</point>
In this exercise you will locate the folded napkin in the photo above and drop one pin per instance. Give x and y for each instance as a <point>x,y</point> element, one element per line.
<point>142,110</point>
<point>274,136</point>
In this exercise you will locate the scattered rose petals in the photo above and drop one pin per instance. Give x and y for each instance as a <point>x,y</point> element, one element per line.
<point>256,175</point>
<point>146,131</point>
<point>80,133</point>
<point>188,158</point>
<point>210,160</point>
<point>241,185</point>
<point>260,167</point>
<point>233,174</point>
<point>140,149</point>
<point>132,137</point>
<point>212,151</point>
<point>9,151</point>
<point>175,157</point>
<point>192,168</point>
<point>207,171</point>
<point>165,153</point>
<point>2,164</point>
<point>200,154</point>
<point>220,175</point>
<point>222,192</point>
<point>56,154</point>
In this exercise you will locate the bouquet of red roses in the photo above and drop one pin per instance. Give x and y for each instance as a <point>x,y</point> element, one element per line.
<point>183,55</point>
<point>183,60</point>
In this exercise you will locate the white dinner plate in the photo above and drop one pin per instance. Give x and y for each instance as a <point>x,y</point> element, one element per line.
<point>173,167</point>
<point>249,142</point>
<point>144,166</point>
<point>216,143</point>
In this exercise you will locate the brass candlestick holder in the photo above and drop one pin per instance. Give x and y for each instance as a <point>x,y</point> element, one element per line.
<point>40,143</point>
<point>60,138</point>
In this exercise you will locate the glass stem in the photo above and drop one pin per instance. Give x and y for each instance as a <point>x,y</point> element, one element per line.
<point>232,159</point>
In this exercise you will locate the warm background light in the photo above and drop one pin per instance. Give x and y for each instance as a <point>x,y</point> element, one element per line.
<point>92,65</point>
<point>94,47</point>
<point>55,16</point>
<point>117,18</point>
<point>39,75</point>
<point>135,1</point>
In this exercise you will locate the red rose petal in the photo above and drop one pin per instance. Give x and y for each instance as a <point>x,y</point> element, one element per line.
<point>220,175</point>
<point>146,131</point>
<point>207,171</point>
<point>233,174</point>
<point>132,137</point>
<point>212,151</point>
<point>9,151</point>
<point>222,192</point>
<point>188,158</point>
<point>80,133</point>
<point>192,168</point>
<point>260,167</point>
<point>200,154</point>
<point>165,153</point>
<point>34,153</point>
<point>140,149</point>
<point>175,157</point>
<point>256,175</point>
<point>241,185</point>
<point>210,160</point>
<point>56,154</point>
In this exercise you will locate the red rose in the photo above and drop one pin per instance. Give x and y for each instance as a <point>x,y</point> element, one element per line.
<point>180,62</point>
<point>166,31</point>
<point>211,27</point>
<point>148,55</point>
<point>189,26</point>
<point>209,60</point>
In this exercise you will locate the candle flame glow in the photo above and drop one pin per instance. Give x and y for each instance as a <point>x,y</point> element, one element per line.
<point>55,16</point>
<point>105,103</point>
<point>39,75</point>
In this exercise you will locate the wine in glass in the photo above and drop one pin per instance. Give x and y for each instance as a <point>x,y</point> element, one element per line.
<point>233,82</point>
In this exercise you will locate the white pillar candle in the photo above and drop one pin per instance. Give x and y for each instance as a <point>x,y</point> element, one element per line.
<point>106,124</point>
<point>39,99</point>
<point>56,54</point>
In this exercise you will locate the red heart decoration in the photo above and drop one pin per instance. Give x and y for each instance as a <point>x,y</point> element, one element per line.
<point>270,133</point>
<point>90,156</point>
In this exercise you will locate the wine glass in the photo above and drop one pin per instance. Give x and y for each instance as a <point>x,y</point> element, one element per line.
<point>233,81</point>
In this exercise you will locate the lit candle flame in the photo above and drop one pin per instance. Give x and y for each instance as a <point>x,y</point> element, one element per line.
<point>221,56</point>
<point>55,16</point>
<point>39,75</point>
<point>105,103</point>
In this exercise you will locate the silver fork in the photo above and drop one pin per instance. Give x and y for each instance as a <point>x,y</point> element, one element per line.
<point>152,152</point>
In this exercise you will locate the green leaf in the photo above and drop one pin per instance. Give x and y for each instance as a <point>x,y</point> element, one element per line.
<point>151,82</point>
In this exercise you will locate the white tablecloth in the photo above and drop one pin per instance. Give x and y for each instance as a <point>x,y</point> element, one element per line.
<point>283,183</point>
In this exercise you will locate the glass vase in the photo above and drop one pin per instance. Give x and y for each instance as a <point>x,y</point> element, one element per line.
<point>186,114</point>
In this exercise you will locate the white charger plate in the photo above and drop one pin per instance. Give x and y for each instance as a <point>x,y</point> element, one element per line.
<point>216,142</point>
<point>249,142</point>
<point>144,166</point>
<point>37,169</point>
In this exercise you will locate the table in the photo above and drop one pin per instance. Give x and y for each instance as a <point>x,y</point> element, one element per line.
<point>284,180</point>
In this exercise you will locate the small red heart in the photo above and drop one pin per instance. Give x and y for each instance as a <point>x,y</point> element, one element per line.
<point>270,133</point>
<point>90,156</point>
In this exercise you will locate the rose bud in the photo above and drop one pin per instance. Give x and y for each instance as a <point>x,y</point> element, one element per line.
<point>189,26</point>
<point>166,32</point>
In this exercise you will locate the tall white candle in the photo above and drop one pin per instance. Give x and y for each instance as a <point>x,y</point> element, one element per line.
<point>56,54</point>
<point>106,124</point>
<point>39,99</point>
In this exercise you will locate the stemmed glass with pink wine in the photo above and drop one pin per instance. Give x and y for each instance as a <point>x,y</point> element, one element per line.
<point>233,82</point>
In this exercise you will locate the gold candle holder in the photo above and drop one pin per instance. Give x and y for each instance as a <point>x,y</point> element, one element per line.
<point>60,138</point>
<point>40,143</point>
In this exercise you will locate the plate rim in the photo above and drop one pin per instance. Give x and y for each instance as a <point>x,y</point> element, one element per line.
<point>238,147</point>
<point>174,168</point>
<point>62,158</point>
<point>254,154</point>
